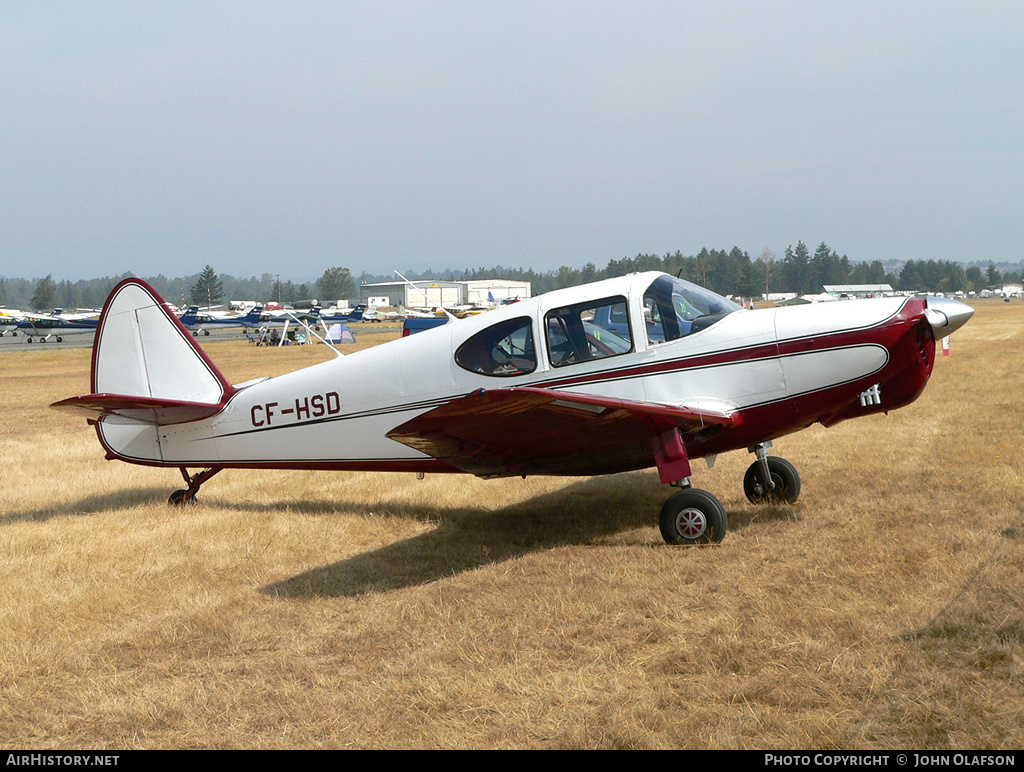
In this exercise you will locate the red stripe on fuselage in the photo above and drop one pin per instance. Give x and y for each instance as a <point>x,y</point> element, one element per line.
<point>890,328</point>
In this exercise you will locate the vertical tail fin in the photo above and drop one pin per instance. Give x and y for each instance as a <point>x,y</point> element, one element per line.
<point>190,317</point>
<point>143,350</point>
<point>253,317</point>
<point>147,371</point>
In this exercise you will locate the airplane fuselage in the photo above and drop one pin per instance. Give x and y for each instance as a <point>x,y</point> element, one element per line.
<point>777,370</point>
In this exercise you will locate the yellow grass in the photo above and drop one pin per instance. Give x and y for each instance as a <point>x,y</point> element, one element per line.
<point>315,610</point>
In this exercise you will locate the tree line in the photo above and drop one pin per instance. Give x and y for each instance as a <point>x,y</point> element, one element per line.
<point>728,272</point>
<point>202,289</point>
<point>734,272</point>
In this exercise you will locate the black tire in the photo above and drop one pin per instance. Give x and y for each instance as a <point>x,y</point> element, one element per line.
<point>693,516</point>
<point>180,498</point>
<point>785,477</point>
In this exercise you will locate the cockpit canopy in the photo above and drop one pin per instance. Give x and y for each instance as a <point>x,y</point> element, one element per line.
<point>591,330</point>
<point>675,308</point>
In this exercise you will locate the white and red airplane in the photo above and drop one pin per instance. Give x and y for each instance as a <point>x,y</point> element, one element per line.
<point>629,373</point>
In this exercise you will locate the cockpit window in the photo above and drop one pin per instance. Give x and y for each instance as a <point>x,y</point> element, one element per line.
<point>674,308</point>
<point>587,331</point>
<point>503,350</point>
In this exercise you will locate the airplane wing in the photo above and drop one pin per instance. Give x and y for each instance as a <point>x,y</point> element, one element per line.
<point>528,430</point>
<point>148,410</point>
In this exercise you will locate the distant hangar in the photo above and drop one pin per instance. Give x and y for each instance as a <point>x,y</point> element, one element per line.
<point>424,293</point>
<point>858,290</point>
<point>484,291</point>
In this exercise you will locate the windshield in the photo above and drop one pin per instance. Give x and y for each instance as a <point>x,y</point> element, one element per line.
<point>674,308</point>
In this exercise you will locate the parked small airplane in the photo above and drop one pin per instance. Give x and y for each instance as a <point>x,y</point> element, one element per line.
<point>340,317</point>
<point>56,325</point>
<point>285,317</point>
<point>425,313</point>
<point>199,322</point>
<point>9,318</point>
<point>537,387</point>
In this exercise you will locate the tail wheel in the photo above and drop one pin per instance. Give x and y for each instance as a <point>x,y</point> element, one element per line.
<point>180,498</point>
<point>786,481</point>
<point>194,481</point>
<point>693,516</point>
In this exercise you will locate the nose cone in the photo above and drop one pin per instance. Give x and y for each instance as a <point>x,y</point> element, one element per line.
<point>947,316</point>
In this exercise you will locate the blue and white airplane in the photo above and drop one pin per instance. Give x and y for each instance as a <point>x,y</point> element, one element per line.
<point>355,315</point>
<point>55,325</point>
<point>197,322</point>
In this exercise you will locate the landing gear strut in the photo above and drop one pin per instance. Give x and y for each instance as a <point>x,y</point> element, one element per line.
<point>188,496</point>
<point>770,479</point>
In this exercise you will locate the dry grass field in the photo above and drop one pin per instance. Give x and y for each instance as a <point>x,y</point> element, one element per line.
<point>314,610</point>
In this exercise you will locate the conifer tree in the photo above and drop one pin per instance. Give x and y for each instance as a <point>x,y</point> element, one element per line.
<point>208,289</point>
<point>46,291</point>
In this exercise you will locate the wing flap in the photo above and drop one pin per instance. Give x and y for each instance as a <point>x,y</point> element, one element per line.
<point>530,430</point>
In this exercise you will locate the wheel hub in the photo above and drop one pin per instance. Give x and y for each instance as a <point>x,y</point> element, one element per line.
<point>776,490</point>
<point>691,523</point>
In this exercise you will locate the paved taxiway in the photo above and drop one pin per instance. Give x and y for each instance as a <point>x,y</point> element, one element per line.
<point>11,343</point>
<point>19,342</point>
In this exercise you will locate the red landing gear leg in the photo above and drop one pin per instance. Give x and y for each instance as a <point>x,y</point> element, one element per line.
<point>690,516</point>
<point>188,496</point>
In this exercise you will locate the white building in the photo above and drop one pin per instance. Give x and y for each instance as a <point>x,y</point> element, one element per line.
<point>481,292</point>
<point>858,290</point>
<point>422,294</point>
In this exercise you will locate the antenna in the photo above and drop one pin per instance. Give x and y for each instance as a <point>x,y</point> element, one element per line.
<point>451,318</point>
<point>521,252</point>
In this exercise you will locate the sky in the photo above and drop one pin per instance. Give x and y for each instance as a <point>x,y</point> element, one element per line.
<point>290,137</point>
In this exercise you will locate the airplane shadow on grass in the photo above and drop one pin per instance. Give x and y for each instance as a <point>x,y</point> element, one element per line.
<point>468,538</point>
<point>91,505</point>
<point>465,538</point>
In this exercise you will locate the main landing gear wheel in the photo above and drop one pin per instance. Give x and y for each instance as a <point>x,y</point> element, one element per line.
<point>786,480</point>
<point>693,516</point>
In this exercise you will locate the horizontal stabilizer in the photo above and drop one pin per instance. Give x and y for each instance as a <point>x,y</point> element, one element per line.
<point>148,410</point>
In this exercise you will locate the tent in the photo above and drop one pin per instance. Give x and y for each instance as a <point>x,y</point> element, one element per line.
<point>339,333</point>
